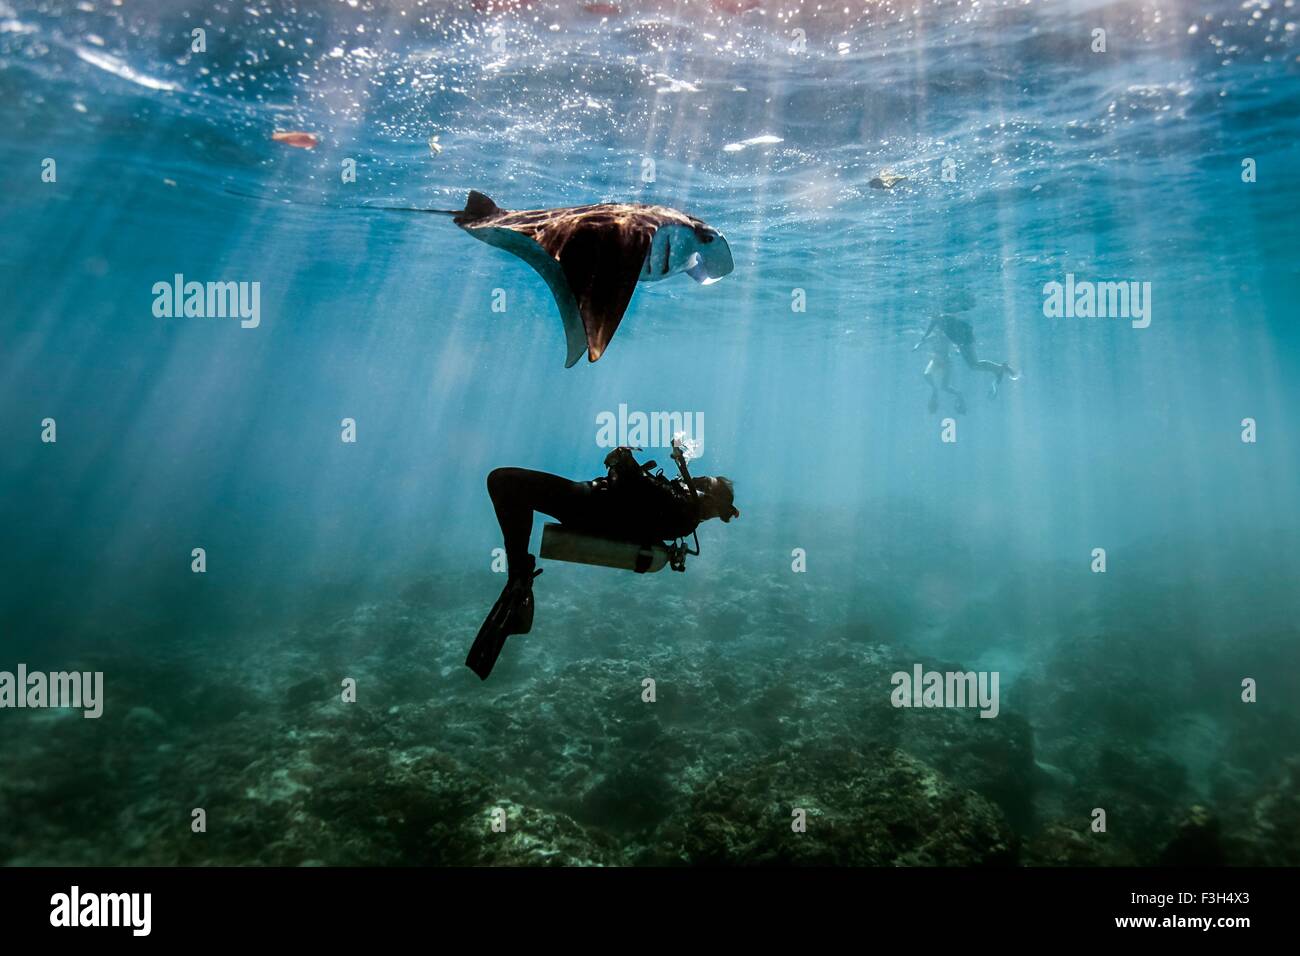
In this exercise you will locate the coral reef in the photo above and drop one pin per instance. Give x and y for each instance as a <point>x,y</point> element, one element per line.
<point>599,742</point>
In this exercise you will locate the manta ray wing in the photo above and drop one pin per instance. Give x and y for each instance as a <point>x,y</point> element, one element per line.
<point>527,249</point>
<point>602,260</point>
<point>590,256</point>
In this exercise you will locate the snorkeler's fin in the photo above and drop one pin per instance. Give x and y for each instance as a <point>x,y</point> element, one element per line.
<point>1007,371</point>
<point>512,614</point>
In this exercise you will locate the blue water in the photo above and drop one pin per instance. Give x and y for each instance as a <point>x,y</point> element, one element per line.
<point>178,433</point>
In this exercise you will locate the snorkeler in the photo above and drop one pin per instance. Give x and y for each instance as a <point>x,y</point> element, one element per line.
<point>959,333</point>
<point>622,519</point>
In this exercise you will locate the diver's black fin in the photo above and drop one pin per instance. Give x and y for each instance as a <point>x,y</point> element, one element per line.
<point>496,628</point>
<point>491,638</point>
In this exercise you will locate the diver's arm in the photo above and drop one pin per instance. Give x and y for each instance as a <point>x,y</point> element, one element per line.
<point>679,456</point>
<point>926,335</point>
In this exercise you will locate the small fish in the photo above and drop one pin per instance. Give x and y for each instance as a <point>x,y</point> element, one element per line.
<point>499,6</point>
<point>886,180</point>
<point>300,140</point>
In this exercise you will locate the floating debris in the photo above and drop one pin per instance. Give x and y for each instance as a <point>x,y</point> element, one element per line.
<point>300,140</point>
<point>886,180</point>
<point>501,6</point>
<point>663,83</point>
<point>767,139</point>
<point>435,147</point>
<point>111,64</point>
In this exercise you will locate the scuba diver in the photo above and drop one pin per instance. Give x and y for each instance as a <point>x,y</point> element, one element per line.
<point>626,519</point>
<point>957,332</point>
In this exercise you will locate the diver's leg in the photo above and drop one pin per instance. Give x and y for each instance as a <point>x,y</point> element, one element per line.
<point>997,369</point>
<point>934,389</point>
<point>518,492</point>
<point>959,399</point>
<point>979,364</point>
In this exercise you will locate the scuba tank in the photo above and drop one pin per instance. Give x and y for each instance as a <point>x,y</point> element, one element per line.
<point>565,544</point>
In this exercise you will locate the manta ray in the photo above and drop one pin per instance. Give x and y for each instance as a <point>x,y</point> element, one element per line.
<point>592,257</point>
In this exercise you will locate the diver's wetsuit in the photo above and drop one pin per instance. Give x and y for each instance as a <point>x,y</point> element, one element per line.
<point>628,503</point>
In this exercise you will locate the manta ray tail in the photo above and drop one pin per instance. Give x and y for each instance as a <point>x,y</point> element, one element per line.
<point>436,212</point>
<point>477,206</point>
<point>362,205</point>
